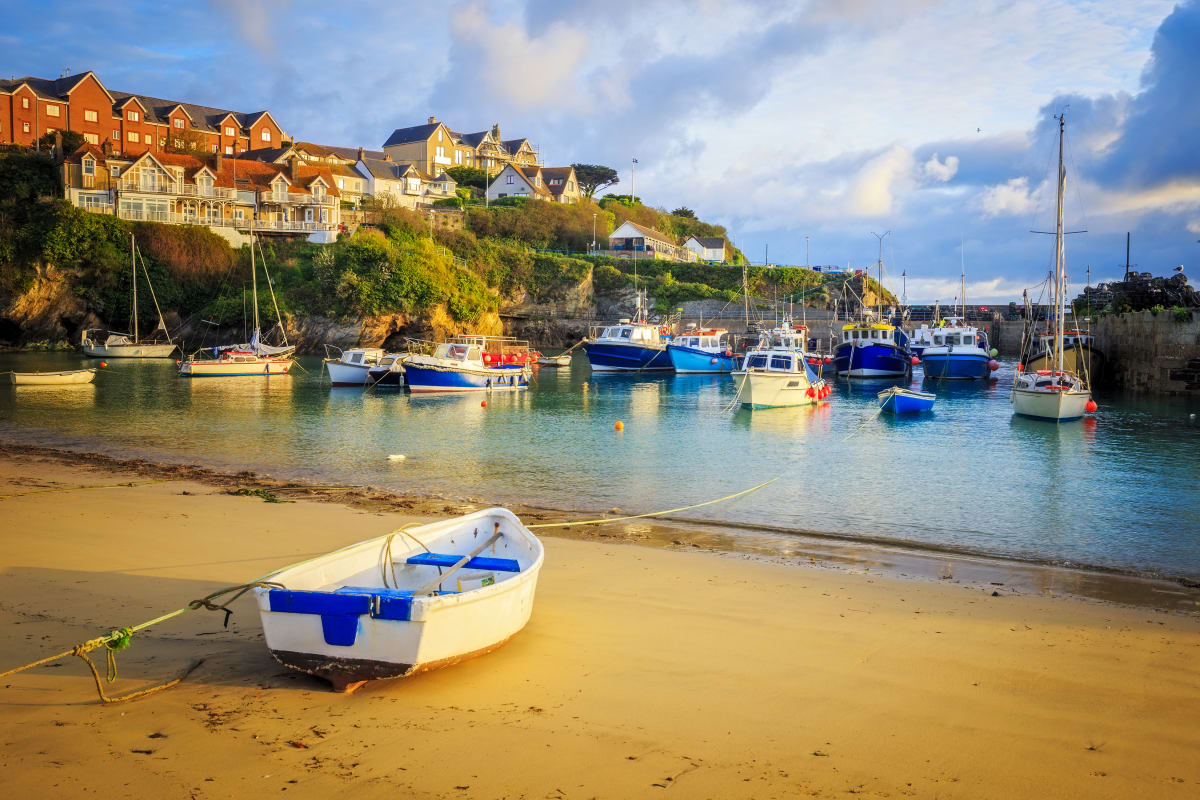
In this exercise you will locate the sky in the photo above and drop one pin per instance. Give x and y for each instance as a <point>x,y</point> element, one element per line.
<point>826,119</point>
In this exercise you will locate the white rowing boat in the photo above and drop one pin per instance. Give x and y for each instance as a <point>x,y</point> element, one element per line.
<point>408,602</point>
<point>61,378</point>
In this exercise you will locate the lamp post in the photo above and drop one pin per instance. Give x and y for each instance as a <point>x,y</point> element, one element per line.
<point>806,266</point>
<point>593,234</point>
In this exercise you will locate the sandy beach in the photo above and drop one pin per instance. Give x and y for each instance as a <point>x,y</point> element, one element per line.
<point>643,671</point>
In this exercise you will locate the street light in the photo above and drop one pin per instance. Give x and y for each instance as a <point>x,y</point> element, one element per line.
<point>806,251</point>
<point>593,233</point>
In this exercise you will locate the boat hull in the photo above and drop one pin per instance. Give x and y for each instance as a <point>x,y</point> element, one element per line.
<point>871,361</point>
<point>386,378</point>
<point>262,368</point>
<point>776,390</point>
<point>1055,406</point>
<point>421,379</point>
<point>130,350</point>
<point>342,374</point>
<point>906,402</point>
<point>621,357</point>
<point>65,378</point>
<point>327,625</point>
<point>940,364</point>
<point>690,359</point>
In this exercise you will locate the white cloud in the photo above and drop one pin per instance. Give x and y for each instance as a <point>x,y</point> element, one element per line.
<point>1011,197</point>
<point>941,170</point>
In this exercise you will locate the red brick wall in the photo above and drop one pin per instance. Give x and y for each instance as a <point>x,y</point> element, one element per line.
<point>256,140</point>
<point>90,96</point>
<point>24,115</point>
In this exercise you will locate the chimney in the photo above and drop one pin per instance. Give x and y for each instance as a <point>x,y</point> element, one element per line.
<point>387,156</point>
<point>432,120</point>
<point>106,148</point>
<point>220,161</point>
<point>294,168</point>
<point>360,154</point>
<point>496,130</point>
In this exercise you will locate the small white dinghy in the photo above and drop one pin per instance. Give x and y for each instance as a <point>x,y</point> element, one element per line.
<point>408,602</point>
<point>555,361</point>
<point>61,378</point>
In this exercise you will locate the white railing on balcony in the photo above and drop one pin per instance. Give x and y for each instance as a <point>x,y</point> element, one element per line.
<point>308,200</point>
<point>179,189</point>
<point>287,225</point>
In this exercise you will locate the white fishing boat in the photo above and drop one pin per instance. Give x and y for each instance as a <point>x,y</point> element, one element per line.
<point>405,603</point>
<point>61,378</point>
<point>776,373</point>
<point>350,367</point>
<point>131,345</point>
<point>555,361</point>
<point>255,358</point>
<point>1054,394</point>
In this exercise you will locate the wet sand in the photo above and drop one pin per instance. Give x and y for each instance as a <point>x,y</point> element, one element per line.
<point>644,670</point>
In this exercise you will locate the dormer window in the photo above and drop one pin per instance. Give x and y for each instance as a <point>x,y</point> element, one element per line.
<point>318,192</point>
<point>228,131</point>
<point>205,185</point>
<point>266,135</point>
<point>179,123</point>
<point>133,116</point>
<point>89,166</point>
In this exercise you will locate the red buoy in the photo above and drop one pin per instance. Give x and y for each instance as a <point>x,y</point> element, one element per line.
<point>1091,406</point>
<point>1020,367</point>
<point>916,361</point>
<point>828,360</point>
<point>483,404</point>
<point>104,363</point>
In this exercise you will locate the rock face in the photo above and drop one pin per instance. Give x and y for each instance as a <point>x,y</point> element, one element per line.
<point>47,312</point>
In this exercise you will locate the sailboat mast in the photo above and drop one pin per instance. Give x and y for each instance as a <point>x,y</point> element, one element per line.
<point>1059,254</point>
<point>133,275</point>
<point>253,277</point>
<point>962,279</point>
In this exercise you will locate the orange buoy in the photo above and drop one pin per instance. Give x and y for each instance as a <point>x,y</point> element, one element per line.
<point>104,363</point>
<point>483,404</point>
<point>1020,367</point>
<point>1091,406</point>
<point>619,426</point>
<point>916,361</point>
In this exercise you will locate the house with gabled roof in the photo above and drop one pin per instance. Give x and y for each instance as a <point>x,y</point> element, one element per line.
<point>227,194</point>
<point>433,147</point>
<point>631,240</point>
<point>131,123</point>
<point>404,184</point>
<point>707,248</point>
<point>555,184</point>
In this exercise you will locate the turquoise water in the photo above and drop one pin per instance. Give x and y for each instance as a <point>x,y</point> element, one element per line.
<point>1120,490</point>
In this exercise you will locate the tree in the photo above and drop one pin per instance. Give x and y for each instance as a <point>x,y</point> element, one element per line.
<point>594,177</point>
<point>469,176</point>
<point>186,141</point>
<point>71,140</point>
<point>684,211</point>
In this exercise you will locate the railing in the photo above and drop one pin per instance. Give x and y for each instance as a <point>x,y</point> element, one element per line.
<point>309,200</point>
<point>171,217</point>
<point>182,190</point>
<point>287,225</point>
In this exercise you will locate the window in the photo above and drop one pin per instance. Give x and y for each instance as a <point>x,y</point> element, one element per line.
<point>162,142</point>
<point>147,138</point>
<point>783,363</point>
<point>25,127</point>
<point>117,134</point>
<point>213,148</point>
<point>266,134</point>
<point>341,183</point>
<point>133,116</point>
<point>511,179</point>
<point>133,137</point>
<point>458,156</point>
<point>439,139</point>
<point>89,167</point>
<point>626,333</point>
<point>757,361</point>
<point>228,149</point>
<point>178,123</point>
<point>90,116</point>
<point>53,110</point>
<point>179,143</point>
<point>441,151</point>
<point>571,185</point>
<point>24,102</point>
<point>115,171</point>
<point>228,131</point>
<point>91,138</point>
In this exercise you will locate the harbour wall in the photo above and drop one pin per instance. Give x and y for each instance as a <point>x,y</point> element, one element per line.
<point>1152,353</point>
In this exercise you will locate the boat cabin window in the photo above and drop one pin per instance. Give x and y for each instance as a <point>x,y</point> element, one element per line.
<point>937,341</point>
<point>783,363</point>
<point>757,361</point>
<point>626,333</point>
<point>474,354</point>
<point>386,360</point>
<point>356,358</point>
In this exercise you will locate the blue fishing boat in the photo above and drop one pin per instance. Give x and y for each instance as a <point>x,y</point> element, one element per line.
<point>895,400</point>
<point>958,352</point>
<point>629,347</point>
<point>702,351</point>
<point>470,364</point>
<point>873,350</point>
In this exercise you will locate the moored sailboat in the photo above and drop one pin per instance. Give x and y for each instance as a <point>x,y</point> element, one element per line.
<point>1054,394</point>
<point>255,358</point>
<point>125,345</point>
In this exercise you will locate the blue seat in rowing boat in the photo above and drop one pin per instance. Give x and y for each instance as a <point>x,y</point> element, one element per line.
<point>479,562</point>
<point>339,610</point>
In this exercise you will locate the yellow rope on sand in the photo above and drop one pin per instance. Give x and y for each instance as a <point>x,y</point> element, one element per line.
<point>653,513</point>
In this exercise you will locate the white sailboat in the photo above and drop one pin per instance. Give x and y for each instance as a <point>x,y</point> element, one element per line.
<point>124,345</point>
<point>254,358</point>
<point>1055,394</point>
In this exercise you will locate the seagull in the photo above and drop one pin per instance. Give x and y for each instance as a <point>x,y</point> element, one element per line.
<point>1179,268</point>
<point>979,130</point>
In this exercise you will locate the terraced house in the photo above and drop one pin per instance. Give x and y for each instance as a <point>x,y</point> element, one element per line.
<point>130,123</point>
<point>228,194</point>
<point>434,147</point>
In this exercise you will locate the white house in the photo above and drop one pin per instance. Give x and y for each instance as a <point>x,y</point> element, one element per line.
<point>403,183</point>
<point>706,248</point>
<point>631,240</point>
<point>519,181</point>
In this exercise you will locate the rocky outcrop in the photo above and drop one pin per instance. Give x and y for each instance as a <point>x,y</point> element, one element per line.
<point>47,313</point>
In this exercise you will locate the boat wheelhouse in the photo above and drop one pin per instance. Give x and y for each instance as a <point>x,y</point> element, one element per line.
<point>873,350</point>
<point>351,367</point>
<point>957,352</point>
<point>629,347</point>
<point>470,364</point>
<point>921,338</point>
<point>1080,354</point>
<point>708,350</point>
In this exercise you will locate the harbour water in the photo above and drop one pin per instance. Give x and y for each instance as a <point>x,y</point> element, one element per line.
<point>1119,490</point>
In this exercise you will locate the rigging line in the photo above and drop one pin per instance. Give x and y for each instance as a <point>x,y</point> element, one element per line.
<point>742,493</point>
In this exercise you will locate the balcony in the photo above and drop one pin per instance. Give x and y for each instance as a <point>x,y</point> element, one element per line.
<point>177,190</point>
<point>287,226</point>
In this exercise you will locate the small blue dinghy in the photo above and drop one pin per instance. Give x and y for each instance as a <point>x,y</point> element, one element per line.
<point>896,400</point>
